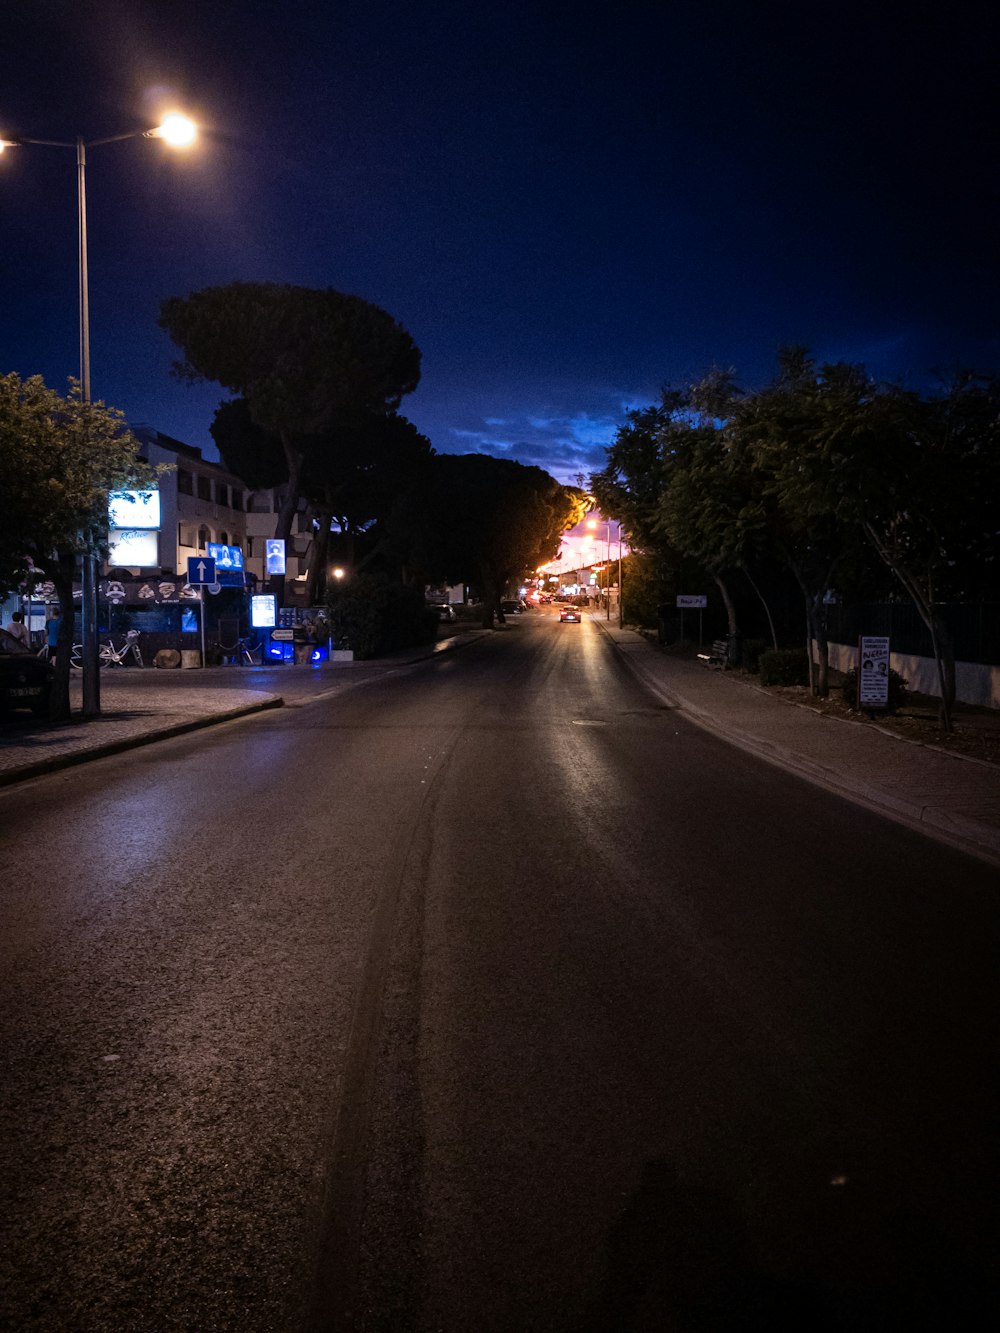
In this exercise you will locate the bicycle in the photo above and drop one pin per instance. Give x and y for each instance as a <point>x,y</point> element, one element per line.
<point>110,656</point>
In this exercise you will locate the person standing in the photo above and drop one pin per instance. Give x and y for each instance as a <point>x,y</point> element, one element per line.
<point>52,628</point>
<point>17,629</point>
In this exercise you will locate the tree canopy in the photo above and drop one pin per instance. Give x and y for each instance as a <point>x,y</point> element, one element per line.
<point>60,458</point>
<point>302,359</point>
<point>488,521</point>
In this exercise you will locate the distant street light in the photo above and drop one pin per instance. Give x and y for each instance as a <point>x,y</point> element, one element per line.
<point>177,131</point>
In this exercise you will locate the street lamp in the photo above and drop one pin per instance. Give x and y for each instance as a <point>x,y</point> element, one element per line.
<point>177,131</point>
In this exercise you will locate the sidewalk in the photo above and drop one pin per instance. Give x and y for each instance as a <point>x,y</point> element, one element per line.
<point>954,799</point>
<point>140,707</point>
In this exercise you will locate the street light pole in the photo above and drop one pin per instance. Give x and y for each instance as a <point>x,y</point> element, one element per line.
<point>607,576</point>
<point>621,589</point>
<point>175,130</point>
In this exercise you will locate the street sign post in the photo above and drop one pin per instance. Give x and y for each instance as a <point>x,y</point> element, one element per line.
<point>697,600</point>
<point>201,570</point>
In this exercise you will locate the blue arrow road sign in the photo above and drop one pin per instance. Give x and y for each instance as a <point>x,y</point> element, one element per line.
<point>201,569</point>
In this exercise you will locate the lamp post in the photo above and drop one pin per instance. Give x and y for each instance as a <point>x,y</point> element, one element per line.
<point>621,588</point>
<point>177,131</point>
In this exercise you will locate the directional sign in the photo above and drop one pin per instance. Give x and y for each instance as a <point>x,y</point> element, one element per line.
<point>691,599</point>
<point>201,569</point>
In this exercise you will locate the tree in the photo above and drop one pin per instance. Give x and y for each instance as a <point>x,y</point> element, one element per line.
<point>793,506</point>
<point>352,473</point>
<point>921,477</point>
<point>667,477</point>
<point>487,521</point>
<point>301,358</point>
<point>60,458</point>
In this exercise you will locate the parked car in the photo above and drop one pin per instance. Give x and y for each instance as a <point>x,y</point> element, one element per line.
<point>445,610</point>
<point>25,679</point>
<point>511,608</point>
<point>571,613</point>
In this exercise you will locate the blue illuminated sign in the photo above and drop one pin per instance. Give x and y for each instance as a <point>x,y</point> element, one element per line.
<point>226,557</point>
<point>274,554</point>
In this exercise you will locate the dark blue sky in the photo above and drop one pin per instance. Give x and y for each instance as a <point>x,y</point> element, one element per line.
<point>565,211</point>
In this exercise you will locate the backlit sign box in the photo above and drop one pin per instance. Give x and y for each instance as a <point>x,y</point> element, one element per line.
<point>134,509</point>
<point>226,557</point>
<point>263,614</point>
<point>274,555</point>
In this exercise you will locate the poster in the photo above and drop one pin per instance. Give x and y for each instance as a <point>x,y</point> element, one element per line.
<point>873,672</point>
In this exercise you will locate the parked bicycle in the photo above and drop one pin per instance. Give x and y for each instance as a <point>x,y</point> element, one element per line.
<point>110,656</point>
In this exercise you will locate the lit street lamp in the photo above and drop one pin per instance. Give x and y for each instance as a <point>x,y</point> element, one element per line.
<point>178,132</point>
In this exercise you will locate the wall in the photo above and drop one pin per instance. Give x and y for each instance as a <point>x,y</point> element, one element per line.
<point>975,683</point>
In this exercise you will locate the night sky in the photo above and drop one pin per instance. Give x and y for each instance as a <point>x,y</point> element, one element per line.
<point>567,206</point>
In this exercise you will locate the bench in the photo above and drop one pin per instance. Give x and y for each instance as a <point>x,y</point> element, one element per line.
<point>718,657</point>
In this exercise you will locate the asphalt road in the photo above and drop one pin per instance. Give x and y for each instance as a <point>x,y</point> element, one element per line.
<point>491,995</point>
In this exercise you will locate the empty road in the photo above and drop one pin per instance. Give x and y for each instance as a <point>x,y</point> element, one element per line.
<point>491,995</point>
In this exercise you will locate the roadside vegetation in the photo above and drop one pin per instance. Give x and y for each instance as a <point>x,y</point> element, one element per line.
<point>825,481</point>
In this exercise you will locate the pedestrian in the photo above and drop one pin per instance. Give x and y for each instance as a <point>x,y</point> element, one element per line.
<point>52,628</point>
<point>17,629</point>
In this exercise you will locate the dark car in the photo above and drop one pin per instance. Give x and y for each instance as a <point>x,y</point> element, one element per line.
<point>25,680</point>
<point>571,613</point>
<point>445,610</point>
<point>511,608</point>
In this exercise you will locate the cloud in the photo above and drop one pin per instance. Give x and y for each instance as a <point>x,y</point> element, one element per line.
<point>567,444</point>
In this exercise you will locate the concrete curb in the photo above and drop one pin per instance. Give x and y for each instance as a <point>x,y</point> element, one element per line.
<point>967,835</point>
<point>39,768</point>
<point>43,766</point>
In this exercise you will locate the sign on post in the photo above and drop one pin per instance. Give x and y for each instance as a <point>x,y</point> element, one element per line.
<point>695,600</point>
<point>873,672</point>
<point>201,569</point>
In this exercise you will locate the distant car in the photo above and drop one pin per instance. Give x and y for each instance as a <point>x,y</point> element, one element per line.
<point>511,608</point>
<point>445,610</point>
<point>25,680</point>
<point>571,613</point>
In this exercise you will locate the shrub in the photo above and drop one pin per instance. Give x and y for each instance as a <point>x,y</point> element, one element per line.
<point>784,666</point>
<point>752,650</point>
<point>898,691</point>
<point>373,615</point>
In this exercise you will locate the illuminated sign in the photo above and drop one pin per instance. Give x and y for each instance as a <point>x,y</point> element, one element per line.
<point>130,548</point>
<point>262,611</point>
<point>225,557</point>
<point>274,554</point>
<point>134,509</point>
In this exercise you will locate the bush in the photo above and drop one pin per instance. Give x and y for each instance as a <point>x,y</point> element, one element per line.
<point>784,666</point>
<point>373,615</point>
<point>899,691</point>
<point>752,651</point>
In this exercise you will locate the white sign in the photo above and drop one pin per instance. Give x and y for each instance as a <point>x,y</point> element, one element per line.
<point>132,548</point>
<point>262,612</point>
<point>692,600</point>
<point>873,672</point>
<point>134,509</point>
